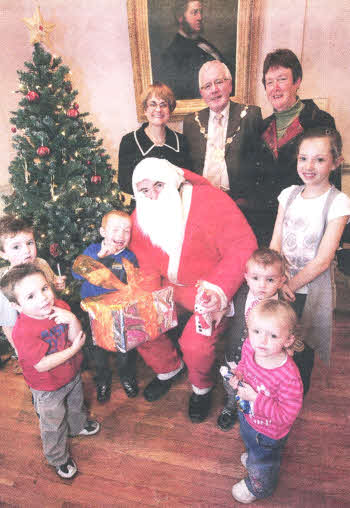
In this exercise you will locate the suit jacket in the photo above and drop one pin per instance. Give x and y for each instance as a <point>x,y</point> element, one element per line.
<point>180,65</point>
<point>237,331</point>
<point>240,155</point>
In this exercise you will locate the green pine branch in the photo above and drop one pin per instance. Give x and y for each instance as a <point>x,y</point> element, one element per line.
<point>57,157</point>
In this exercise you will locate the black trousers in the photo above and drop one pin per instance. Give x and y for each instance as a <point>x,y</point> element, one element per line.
<point>305,359</point>
<point>125,362</point>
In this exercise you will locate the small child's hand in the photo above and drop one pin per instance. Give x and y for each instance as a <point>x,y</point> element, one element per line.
<point>107,249</point>
<point>246,392</point>
<point>79,341</point>
<point>287,293</point>
<point>60,283</point>
<point>234,382</point>
<point>62,316</point>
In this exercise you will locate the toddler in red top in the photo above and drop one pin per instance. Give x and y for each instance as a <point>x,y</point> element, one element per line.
<point>264,275</point>
<point>270,390</point>
<point>48,339</point>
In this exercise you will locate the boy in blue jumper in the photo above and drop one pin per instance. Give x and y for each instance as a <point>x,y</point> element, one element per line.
<point>115,231</point>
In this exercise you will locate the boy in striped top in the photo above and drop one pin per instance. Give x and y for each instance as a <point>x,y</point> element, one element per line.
<point>269,380</point>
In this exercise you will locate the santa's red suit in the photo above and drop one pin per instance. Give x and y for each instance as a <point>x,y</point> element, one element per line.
<point>217,244</point>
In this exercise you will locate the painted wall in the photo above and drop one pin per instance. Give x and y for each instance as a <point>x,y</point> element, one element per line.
<point>92,38</point>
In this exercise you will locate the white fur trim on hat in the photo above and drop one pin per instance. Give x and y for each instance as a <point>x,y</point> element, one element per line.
<point>157,170</point>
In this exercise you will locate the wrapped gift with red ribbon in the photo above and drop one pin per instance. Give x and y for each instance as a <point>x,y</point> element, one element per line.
<point>126,318</point>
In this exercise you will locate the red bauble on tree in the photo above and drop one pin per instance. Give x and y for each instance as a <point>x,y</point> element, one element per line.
<point>88,163</point>
<point>32,96</point>
<point>96,179</point>
<point>72,113</point>
<point>42,151</point>
<point>13,129</point>
<point>54,249</point>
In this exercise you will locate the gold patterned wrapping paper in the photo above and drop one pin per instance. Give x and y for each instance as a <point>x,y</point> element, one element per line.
<point>130,316</point>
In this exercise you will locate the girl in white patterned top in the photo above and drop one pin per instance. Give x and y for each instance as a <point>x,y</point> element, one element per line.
<point>310,222</point>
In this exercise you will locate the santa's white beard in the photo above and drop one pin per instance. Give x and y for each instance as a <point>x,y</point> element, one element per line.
<point>162,219</point>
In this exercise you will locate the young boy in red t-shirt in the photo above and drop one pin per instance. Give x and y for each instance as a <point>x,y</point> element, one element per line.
<point>48,339</point>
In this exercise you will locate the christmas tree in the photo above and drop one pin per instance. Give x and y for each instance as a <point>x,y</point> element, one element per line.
<point>61,176</point>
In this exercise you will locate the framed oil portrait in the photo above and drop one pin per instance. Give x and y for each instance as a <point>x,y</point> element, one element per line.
<point>164,50</point>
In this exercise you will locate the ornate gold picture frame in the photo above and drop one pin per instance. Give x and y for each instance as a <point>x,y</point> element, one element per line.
<point>244,24</point>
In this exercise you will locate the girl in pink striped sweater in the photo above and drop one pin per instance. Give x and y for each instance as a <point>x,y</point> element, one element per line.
<point>268,382</point>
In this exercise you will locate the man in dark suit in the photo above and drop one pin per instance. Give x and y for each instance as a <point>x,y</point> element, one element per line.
<point>187,53</point>
<point>224,138</point>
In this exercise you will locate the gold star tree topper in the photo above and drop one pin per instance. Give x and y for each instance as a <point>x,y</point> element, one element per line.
<point>39,29</point>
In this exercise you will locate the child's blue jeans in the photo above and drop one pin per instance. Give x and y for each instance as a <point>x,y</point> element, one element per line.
<point>264,459</point>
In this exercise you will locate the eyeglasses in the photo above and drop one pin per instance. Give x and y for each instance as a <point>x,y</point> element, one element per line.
<point>154,105</point>
<point>216,82</point>
<point>151,190</point>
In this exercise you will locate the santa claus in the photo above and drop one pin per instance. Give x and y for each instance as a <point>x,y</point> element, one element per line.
<point>190,235</point>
